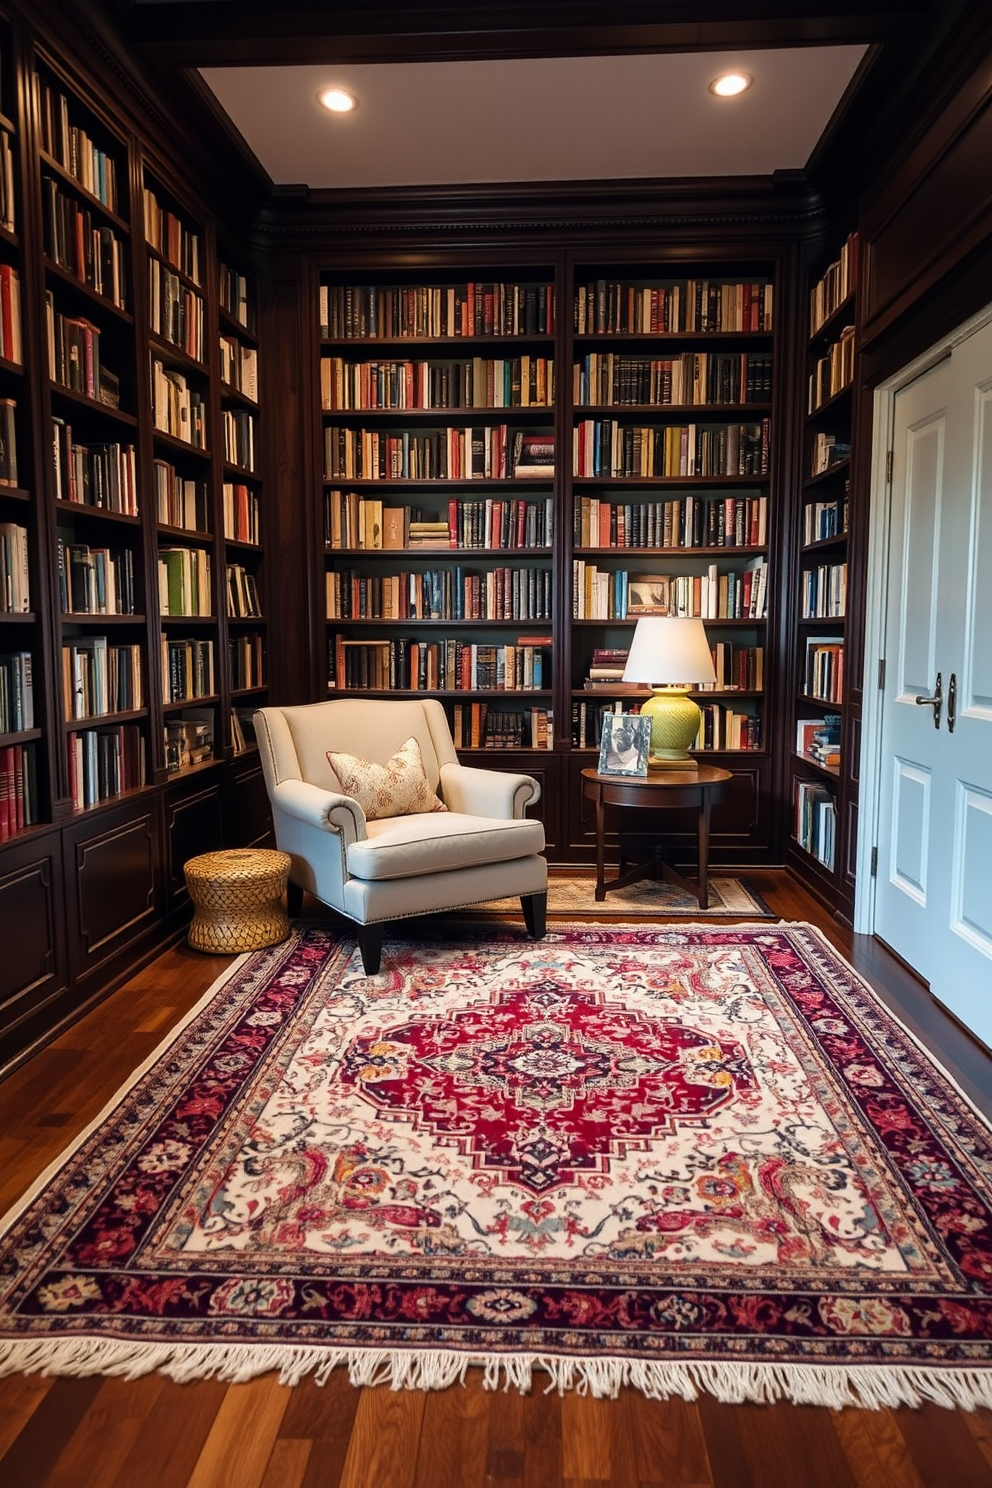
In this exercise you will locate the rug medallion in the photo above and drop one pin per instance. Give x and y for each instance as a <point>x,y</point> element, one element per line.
<point>682,1159</point>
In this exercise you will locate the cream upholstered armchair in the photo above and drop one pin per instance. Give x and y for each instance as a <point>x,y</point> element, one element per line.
<point>374,867</point>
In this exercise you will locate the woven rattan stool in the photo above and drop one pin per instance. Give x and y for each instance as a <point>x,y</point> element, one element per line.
<point>237,898</point>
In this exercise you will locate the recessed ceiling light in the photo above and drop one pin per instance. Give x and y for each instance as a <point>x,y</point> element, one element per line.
<point>729,84</point>
<point>337,100</point>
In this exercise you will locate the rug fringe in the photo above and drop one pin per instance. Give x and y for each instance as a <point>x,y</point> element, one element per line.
<point>730,1382</point>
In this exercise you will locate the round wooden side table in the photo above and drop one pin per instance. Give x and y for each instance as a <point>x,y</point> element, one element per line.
<point>660,790</point>
<point>237,896</point>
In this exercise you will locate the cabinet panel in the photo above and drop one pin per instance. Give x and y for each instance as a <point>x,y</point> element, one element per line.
<point>194,823</point>
<point>33,964</point>
<point>249,820</point>
<point>117,897</point>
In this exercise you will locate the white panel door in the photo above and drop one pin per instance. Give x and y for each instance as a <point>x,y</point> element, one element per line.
<point>933,900</point>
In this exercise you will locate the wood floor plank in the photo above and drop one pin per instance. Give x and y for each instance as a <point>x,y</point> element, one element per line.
<point>670,1447</point>
<point>542,1441</point>
<point>721,1428</point>
<point>22,1395</point>
<point>943,1450</point>
<point>175,1430</point>
<point>800,1435</point>
<point>586,1437</point>
<point>324,1415</point>
<point>106,1434</point>
<point>38,1446</point>
<point>385,1439</point>
<point>288,1463</point>
<point>454,1437</point>
<point>875,1449</point>
<point>238,1445</point>
<point>979,1423</point>
<point>505,1440</point>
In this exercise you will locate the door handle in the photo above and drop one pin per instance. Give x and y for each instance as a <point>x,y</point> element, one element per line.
<point>952,702</point>
<point>936,702</point>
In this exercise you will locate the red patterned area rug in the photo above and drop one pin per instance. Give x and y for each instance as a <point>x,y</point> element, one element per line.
<point>681,1159</point>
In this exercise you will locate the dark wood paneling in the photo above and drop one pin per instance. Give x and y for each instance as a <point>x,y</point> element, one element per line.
<point>194,823</point>
<point>113,859</point>
<point>32,968</point>
<point>249,820</point>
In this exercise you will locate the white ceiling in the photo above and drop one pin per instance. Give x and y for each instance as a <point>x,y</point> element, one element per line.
<point>536,119</point>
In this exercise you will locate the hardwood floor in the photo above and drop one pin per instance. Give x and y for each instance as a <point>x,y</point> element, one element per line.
<point>151,1433</point>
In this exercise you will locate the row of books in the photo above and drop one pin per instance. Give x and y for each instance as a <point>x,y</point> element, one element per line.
<point>241,513</point>
<point>247,661</point>
<point>823,591</point>
<point>100,678</point>
<point>175,312</point>
<point>105,762</point>
<point>184,584</point>
<point>239,437</point>
<point>616,594</point>
<point>833,372</point>
<point>169,236</point>
<point>8,442</point>
<point>81,244</point>
<point>818,739</point>
<point>474,382</point>
<point>71,145</point>
<point>721,727</point>
<point>187,670</point>
<point>177,408</point>
<point>816,821</point>
<point>479,726</point>
<point>737,668</point>
<point>689,522</point>
<point>427,312</point>
<point>828,451</point>
<point>435,666</point>
<point>180,501</point>
<point>239,366</point>
<point>189,740</point>
<point>352,521</point>
<point>480,452</point>
<point>16,692</point>
<point>15,580</point>
<point>18,789</point>
<point>94,581</point>
<point>242,729</point>
<point>823,669</point>
<point>839,280</point>
<point>103,475</point>
<point>662,307</point>
<point>440,594</point>
<point>607,448</point>
<point>74,356</point>
<point>825,519</point>
<point>694,377</point>
<point>243,602</point>
<point>232,295</point>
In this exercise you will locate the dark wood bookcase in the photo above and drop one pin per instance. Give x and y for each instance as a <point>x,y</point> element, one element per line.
<point>494,478</point>
<point>823,739</point>
<point>124,418</point>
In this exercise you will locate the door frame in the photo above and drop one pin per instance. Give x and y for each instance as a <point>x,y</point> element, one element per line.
<point>876,599</point>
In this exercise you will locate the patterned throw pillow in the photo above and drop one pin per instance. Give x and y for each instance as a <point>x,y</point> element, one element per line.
<point>397,788</point>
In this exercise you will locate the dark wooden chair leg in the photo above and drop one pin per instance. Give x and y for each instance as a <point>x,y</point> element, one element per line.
<point>370,944</point>
<point>294,900</point>
<point>535,908</point>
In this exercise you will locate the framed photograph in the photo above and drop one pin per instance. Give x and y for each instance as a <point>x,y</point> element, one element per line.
<point>625,744</point>
<point>648,594</point>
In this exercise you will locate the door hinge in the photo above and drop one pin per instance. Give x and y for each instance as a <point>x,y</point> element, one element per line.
<point>874,861</point>
<point>888,468</point>
<point>881,674</point>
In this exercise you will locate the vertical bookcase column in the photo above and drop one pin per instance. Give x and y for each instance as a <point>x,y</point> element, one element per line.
<point>820,699</point>
<point>438,407</point>
<point>671,397</point>
<point>184,485</point>
<point>90,412</point>
<point>245,622</point>
<point>26,761</point>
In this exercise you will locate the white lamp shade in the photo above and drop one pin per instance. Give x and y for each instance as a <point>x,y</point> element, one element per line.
<point>669,652</point>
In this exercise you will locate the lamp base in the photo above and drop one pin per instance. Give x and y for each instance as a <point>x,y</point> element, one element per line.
<point>674,726</point>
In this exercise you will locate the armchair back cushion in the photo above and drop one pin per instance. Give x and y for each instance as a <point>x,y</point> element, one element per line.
<point>368,728</point>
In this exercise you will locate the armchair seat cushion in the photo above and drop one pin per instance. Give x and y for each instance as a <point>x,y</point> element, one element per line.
<point>408,846</point>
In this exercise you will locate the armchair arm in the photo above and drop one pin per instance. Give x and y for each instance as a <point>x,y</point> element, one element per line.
<point>487,792</point>
<point>326,810</point>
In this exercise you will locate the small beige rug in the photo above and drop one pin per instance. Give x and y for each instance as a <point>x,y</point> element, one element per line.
<point>568,895</point>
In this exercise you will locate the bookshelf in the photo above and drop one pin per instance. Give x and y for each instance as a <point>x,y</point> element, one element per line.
<point>502,488</point>
<point>437,418</point>
<point>821,688</point>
